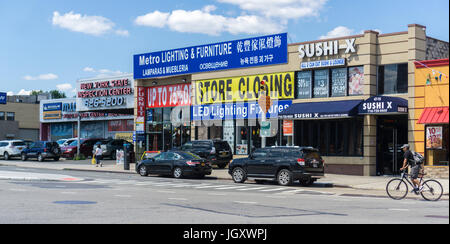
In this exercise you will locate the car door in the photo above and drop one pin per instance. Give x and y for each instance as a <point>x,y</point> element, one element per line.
<point>154,167</point>
<point>169,162</point>
<point>255,164</point>
<point>2,148</point>
<point>35,149</point>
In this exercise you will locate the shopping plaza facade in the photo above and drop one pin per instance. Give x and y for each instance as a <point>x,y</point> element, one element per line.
<point>355,98</point>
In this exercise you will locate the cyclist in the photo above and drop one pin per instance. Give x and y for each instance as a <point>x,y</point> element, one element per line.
<point>415,168</point>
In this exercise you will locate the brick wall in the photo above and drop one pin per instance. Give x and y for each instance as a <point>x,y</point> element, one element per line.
<point>436,172</point>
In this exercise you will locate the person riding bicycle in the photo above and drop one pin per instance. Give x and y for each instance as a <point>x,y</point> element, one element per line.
<point>415,168</point>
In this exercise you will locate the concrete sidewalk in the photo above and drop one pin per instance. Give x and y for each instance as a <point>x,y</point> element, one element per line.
<point>355,182</point>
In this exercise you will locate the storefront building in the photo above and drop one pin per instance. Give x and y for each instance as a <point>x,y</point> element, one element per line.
<point>103,105</point>
<point>350,97</point>
<point>431,128</point>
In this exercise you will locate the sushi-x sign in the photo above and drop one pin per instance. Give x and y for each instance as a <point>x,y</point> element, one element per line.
<point>326,48</point>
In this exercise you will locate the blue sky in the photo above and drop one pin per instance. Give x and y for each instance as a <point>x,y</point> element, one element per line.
<point>49,44</point>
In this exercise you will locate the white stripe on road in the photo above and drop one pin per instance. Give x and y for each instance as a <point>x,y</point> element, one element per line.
<point>276,189</point>
<point>251,189</point>
<point>290,192</point>
<point>229,187</point>
<point>245,202</point>
<point>212,186</point>
<point>178,199</point>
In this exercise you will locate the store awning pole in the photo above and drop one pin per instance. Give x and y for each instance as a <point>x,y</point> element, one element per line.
<point>79,134</point>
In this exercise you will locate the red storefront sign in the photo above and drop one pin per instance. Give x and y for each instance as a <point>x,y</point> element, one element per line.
<point>169,96</point>
<point>141,101</point>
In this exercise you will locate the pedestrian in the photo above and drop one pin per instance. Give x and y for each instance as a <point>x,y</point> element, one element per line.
<point>98,156</point>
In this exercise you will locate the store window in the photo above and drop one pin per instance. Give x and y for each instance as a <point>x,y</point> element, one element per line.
<point>331,137</point>
<point>437,146</point>
<point>2,115</point>
<point>392,79</point>
<point>10,116</point>
<point>337,82</point>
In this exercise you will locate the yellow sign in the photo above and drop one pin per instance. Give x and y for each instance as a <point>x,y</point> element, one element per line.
<point>52,115</point>
<point>124,136</point>
<point>244,88</point>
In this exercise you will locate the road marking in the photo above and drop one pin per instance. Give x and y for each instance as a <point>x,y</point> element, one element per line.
<point>290,192</point>
<point>68,192</point>
<point>243,202</point>
<point>178,199</point>
<point>251,189</point>
<point>181,185</point>
<point>276,189</point>
<point>275,196</point>
<point>398,209</point>
<point>217,194</point>
<point>206,186</point>
<point>125,196</point>
<point>171,192</point>
<point>20,190</point>
<point>229,187</point>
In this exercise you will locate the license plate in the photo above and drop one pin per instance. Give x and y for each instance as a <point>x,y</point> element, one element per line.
<point>315,165</point>
<point>20,148</point>
<point>203,164</point>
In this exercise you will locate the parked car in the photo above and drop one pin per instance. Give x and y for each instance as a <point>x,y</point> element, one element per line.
<point>42,150</point>
<point>61,142</point>
<point>218,152</point>
<point>285,164</point>
<point>110,146</point>
<point>175,163</point>
<point>86,147</point>
<point>10,149</point>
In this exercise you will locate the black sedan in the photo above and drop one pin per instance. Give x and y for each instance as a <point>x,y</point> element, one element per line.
<point>175,163</point>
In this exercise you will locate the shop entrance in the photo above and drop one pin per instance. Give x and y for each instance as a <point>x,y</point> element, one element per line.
<point>392,133</point>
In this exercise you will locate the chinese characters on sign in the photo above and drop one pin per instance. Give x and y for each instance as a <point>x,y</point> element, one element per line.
<point>251,52</point>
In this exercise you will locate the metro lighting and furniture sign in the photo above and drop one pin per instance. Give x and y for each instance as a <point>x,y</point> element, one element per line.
<point>251,52</point>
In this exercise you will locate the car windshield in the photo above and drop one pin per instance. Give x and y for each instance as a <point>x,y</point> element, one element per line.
<point>221,145</point>
<point>75,143</point>
<point>309,154</point>
<point>202,144</point>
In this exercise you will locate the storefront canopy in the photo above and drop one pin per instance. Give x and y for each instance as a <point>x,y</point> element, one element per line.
<point>321,110</point>
<point>437,115</point>
<point>383,105</point>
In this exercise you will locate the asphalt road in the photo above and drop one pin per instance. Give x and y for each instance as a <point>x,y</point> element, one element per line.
<point>103,198</point>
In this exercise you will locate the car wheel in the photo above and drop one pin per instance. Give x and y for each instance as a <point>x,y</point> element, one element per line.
<point>177,173</point>
<point>6,156</point>
<point>239,175</point>
<point>40,158</point>
<point>143,171</point>
<point>23,157</point>
<point>284,177</point>
<point>56,158</point>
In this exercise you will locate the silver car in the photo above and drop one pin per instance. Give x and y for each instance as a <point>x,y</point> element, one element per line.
<point>12,148</point>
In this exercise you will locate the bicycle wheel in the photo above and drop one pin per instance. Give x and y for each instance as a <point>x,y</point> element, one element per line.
<point>397,189</point>
<point>432,190</point>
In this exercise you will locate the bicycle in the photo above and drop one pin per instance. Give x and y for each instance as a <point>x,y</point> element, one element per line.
<point>397,189</point>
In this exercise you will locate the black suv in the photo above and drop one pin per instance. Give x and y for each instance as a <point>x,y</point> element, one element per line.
<point>285,164</point>
<point>42,150</point>
<point>217,152</point>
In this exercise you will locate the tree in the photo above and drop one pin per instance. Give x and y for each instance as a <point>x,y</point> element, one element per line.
<point>55,94</point>
<point>35,93</point>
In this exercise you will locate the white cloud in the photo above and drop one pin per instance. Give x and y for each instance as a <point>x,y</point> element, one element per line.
<point>341,31</point>
<point>49,76</point>
<point>23,92</point>
<point>284,9</point>
<point>91,25</point>
<point>154,19</point>
<point>103,72</point>
<point>10,93</point>
<point>64,87</point>
<point>204,22</point>
<point>338,32</point>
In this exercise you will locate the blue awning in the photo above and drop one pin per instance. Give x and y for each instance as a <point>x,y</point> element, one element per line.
<point>383,105</point>
<point>321,110</point>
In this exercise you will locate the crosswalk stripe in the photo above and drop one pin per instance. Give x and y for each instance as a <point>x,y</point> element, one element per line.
<point>276,189</point>
<point>251,189</point>
<point>229,187</point>
<point>289,192</point>
<point>211,186</point>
